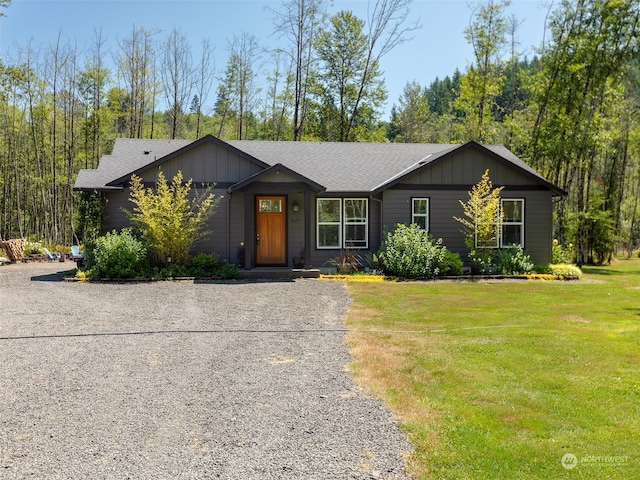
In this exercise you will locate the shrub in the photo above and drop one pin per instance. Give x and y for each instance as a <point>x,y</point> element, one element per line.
<point>120,255</point>
<point>513,261</point>
<point>560,254</point>
<point>451,263</point>
<point>228,271</point>
<point>543,269</point>
<point>170,220</point>
<point>566,272</point>
<point>410,252</point>
<point>481,260</point>
<point>33,248</point>
<point>204,265</point>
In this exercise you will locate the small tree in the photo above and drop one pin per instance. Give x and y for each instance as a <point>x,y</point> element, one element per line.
<point>482,221</point>
<point>169,221</point>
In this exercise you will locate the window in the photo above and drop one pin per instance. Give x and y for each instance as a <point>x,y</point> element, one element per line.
<point>342,222</point>
<point>329,222</point>
<point>355,222</point>
<point>270,206</point>
<point>512,222</point>
<point>420,213</point>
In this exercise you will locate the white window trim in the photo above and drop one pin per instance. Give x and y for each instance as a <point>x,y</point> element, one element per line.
<point>425,215</point>
<point>365,223</point>
<point>342,241</point>
<point>521,223</point>
<point>318,223</point>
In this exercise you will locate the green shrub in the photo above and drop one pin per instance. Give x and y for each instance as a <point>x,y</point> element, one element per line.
<point>204,265</point>
<point>410,252</point>
<point>566,272</point>
<point>33,248</point>
<point>451,263</point>
<point>560,254</point>
<point>513,261</point>
<point>481,260</point>
<point>543,269</point>
<point>227,272</point>
<point>173,270</point>
<point>120,255</point>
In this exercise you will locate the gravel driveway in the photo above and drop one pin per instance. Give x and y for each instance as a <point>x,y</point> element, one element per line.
<point>243,380</point>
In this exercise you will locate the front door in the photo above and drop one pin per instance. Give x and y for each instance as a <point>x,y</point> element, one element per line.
<point>271,231</point>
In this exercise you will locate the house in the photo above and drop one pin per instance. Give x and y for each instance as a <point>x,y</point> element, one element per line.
<point>284,198</point>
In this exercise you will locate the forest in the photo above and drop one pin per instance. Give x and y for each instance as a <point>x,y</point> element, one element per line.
<point>571,111</point>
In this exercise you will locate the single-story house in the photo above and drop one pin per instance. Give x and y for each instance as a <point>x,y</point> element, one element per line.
<point>282,199</point>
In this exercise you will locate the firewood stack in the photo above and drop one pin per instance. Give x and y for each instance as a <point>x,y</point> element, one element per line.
<point>14,248</point>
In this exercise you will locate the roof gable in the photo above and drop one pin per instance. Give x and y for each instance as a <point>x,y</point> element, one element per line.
<point>277,168</point>
<point>496,153</point>
<point>180,150</point>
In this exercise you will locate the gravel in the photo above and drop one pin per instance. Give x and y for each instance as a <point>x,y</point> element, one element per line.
<point>187,380</point>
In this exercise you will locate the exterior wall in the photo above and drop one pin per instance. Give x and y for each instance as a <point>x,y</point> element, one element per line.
<point>444,205</point>
<point>447,182</point>
<point>115,218</point>
<point>320,257</point>
<point>295,226</point>
<point>216,242</point>
<point>466,168</point>
<point>207,163</point>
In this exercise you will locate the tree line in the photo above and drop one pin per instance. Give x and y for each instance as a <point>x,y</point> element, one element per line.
<point>570,111</point>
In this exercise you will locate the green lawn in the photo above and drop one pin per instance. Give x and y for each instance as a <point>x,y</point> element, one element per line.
<point>500,380</point>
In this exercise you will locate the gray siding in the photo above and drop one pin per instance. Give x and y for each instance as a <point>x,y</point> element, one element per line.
<point>207,163</point>
<point>295,226</point>
<point>115,218</point>
<point>461,171</point>
<point>467,168</point>
<point>444,205</point>
<point>216,241</point>
<point>320,257</point>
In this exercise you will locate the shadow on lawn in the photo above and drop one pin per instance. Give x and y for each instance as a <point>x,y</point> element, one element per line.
<point>599,271</point>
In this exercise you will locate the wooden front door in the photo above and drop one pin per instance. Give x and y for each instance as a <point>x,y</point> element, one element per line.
<point>271,231</point>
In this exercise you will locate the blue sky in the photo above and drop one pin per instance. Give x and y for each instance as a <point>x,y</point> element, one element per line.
<point>436,49</point>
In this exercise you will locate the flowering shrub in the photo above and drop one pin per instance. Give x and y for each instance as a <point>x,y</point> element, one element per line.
<point>513,261</point>
<point>410,252</point>
<point>560,254</point>
<point>566,272</point>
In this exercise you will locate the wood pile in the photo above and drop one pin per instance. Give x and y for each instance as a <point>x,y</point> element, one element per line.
<point>14,248</point>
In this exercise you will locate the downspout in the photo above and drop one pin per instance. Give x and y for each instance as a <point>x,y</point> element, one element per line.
<point>229,227</point>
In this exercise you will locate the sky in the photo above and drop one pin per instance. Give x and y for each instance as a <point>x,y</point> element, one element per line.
<point>434,51</point>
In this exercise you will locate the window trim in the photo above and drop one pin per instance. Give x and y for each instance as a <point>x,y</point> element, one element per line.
<point>521,222</point>
<point>319,223</point>
<point>342,224</point>
<point>425,215</point>
<point>358,223</point>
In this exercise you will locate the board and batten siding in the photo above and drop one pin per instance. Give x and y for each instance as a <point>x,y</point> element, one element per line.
<point>320,257</point>
<point>466,168</point>
<point>207,163</point>
<point>447,182</point>
<point>444,205</point>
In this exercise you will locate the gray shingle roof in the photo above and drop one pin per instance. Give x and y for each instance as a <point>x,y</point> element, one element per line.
<point>339,167</point>
<point>342,167</point>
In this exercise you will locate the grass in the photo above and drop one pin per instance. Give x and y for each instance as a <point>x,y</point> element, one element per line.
<point>500,380</point>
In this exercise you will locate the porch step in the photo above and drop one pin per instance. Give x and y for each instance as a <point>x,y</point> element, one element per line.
<point>279,273</point>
